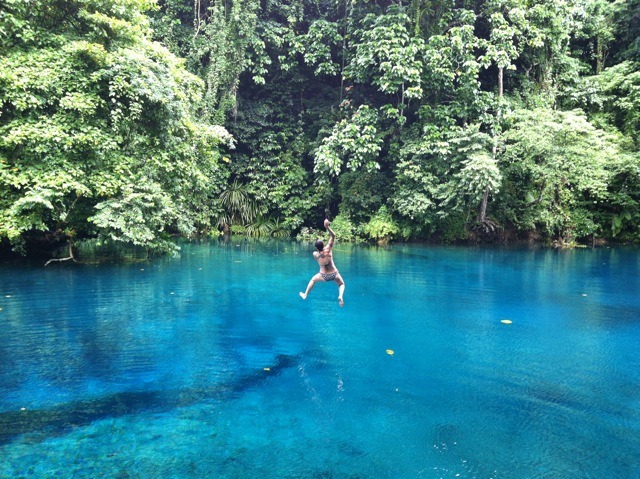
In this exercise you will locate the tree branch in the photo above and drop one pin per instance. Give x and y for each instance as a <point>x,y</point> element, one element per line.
<point>58,260</point>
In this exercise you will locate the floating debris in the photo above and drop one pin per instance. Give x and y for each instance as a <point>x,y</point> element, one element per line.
<point>506,321</point>
<point>390,352</point>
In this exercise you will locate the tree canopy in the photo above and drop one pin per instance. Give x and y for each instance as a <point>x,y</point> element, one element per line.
<point>98,131</point>
<point>130,120</point>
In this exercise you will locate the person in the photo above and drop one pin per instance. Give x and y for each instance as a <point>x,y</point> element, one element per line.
<point>328,270</point>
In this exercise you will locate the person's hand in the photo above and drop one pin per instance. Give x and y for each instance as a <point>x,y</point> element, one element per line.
<point>327,223</point>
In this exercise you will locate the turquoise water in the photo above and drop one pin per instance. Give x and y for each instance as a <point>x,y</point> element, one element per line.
<point>210,365</point>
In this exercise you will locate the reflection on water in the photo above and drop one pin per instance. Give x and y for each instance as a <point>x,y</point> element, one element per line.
<point>210,365</point>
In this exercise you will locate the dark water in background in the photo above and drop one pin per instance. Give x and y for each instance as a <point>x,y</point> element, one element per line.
<point>210,365</point>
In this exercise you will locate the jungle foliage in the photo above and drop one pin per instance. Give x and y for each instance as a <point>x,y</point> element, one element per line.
<point>98,131</point>
<point>130,120</point>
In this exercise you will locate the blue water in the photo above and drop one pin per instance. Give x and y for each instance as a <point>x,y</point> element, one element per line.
<point>209,365</point>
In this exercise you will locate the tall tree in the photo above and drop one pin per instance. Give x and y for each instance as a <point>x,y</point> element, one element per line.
<point>97,133</point>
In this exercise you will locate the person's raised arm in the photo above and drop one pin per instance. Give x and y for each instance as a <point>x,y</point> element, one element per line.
<point>327,225</point>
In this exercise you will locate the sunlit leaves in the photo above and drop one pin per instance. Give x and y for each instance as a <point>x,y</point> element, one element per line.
<point>556,164</point>
<point>615,94</point>
<point>316,47</point>
<point>480,173</point>
<point>138,216</point>
<point>501,47</point>
<point>452,68</point>
<point>381,227</point>
<point>389,56</point>
<point>102,126</point>
<point>447,173</point>
<point>354,142</point>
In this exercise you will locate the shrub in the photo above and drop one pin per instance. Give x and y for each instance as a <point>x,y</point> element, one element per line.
<point>381,227</point>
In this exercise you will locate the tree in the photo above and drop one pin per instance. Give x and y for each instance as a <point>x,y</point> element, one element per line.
<point>388,56</point>
<point>97,133</point>
<point>557,168</point>
<point>354,142</point>
<point>614,96</point>
<point>238,207</point>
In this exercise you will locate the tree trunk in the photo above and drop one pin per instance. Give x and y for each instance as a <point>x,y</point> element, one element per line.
<point>482,214</point>
<point>485,227</point>
<point>599,55</point>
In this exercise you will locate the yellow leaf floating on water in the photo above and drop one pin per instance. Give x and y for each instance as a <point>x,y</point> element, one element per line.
<point>390,352</point>
<point>506,321</point>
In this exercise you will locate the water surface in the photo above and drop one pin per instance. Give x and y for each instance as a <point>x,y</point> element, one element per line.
<point>210,365</point>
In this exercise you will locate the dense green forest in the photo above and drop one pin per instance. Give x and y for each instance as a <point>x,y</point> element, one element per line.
<point>479,120</point>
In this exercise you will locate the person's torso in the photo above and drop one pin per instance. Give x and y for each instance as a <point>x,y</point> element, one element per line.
<point>325,260</point>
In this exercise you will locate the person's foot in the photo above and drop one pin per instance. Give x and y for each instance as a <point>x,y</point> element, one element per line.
<point>341,301</point>
<point>302,295</point>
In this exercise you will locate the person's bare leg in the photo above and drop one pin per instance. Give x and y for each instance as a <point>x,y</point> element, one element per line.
<point>309,288</point>
<point>341,287</point>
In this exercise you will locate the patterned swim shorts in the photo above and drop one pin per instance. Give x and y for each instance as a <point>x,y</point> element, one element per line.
<point>329,276</point>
